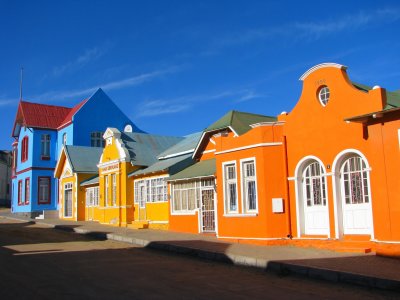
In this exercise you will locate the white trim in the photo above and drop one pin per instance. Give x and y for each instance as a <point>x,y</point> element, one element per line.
<point>225,163</point>
<point>336,165</point>
<point>158,222</point>
<point>249,147</point>
<point>242,186</point>
<point>259,124</point>
<point>108,163</point>
<point>198,144</point>
<point>212,141</point>
<point>386,242</point>
<point>252,238</point>
<point>233,130</point>
<point>299,188</point>
<point>185,213</point>
<point>312,238</point>
<point>242,215</point>
<point>176,154</point>
<point>320,66</point>
<point>191,178</point>
<point>208,151</point>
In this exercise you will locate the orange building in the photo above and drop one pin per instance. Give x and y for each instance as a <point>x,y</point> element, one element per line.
<point>343,159</point>
<point>237,187</point>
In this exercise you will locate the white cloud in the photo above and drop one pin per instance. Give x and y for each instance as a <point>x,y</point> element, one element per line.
<point>6,102</point>
<point>114,85</point>
<point>85,58</point>
<point>157,107</point>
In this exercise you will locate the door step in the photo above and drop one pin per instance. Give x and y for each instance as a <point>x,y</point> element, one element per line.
<point>139,225</point>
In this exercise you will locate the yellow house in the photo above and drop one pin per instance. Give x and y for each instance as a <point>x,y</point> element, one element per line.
<point>124,153</point>
<point>150,184</point>
<point>75,164</point>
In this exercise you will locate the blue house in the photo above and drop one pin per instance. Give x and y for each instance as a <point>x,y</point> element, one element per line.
<point>40,131</point>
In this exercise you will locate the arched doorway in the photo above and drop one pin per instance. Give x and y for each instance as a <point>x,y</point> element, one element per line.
<point>312,198</point>
<point>353,195</point>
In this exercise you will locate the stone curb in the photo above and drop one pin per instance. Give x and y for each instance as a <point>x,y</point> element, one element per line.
<point>279,267</point>
<point>284,268</point>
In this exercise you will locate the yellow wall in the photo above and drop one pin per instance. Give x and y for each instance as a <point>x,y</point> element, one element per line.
<point>121,213</point>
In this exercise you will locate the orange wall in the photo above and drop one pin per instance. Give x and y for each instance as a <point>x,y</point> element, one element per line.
<point>312,129</point>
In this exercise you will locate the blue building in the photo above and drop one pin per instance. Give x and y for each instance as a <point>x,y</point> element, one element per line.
<point>40,131</point>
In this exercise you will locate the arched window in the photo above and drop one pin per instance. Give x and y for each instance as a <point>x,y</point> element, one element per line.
<point>64,138</point>
<point>314,186</point>
<point>354,180</point>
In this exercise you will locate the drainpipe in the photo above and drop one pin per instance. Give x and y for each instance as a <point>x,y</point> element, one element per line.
<point>286,172</point>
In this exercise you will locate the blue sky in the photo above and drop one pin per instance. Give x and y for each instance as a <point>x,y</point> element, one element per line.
<point>174,67</point>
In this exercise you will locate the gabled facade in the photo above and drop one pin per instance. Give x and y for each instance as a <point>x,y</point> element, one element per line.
<point>343,158</point>
<point>238,177</point>
<point>124,153</point>
<point>40,131</point>
<point>76,164</point>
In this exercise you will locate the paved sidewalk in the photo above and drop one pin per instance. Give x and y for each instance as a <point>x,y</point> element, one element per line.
<point>361,269</point>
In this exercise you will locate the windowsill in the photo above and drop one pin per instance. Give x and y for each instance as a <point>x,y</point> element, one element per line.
<point>43,203</point>
<point>45,157</point>
<point>185,213</point>
<point>236,215</point>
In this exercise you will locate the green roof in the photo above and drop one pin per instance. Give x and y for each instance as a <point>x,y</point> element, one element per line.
<point>239,121</point>
<point>185,146</point>
<point>83,159</point>
<point>392,98</point>
<point>205,168</point>
<point>172,165</point>
<point>90,181</point>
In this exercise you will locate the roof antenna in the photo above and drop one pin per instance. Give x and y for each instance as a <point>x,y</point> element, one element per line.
<point>20,84</point>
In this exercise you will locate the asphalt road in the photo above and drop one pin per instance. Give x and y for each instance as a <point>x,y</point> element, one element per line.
<point>38,262</point>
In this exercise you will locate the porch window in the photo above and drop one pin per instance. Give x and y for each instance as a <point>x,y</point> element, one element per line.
<point>27,190</point>
<point>150,190</point>
<point>43,190</point>
<point>45,147</point>
<point>92,196</point>
<point>186,195</point>
<point>231,201</point>
<point>249,185</point>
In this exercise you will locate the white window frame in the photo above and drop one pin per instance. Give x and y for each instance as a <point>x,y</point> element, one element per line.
<point>114,189</point>
<point>64,138</point>
<point>68,187</point>
<point>226,183</point>
<point>244,180</point>
<point>156,190</point>
<point>324,94</point>
<point>363,180</point>
<point>92,196</point>
<point>106,190</point>
<point>45,145</point>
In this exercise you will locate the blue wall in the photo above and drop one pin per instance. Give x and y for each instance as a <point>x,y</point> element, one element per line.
<point>98,113</point>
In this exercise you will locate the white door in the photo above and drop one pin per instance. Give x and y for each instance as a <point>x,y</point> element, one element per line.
<point>316,217</point>
<point>68,203</point>
<point>356,205</point>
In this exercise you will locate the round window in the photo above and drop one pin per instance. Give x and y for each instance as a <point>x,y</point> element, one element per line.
<point>323,95</point>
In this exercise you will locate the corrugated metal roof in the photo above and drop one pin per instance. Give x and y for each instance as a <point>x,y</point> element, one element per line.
<point>204,168</point>
<point>90,181</point>
<point>144,148</point>
<point>38,115</point>
<point>83,159</point>
<point>68,119</point>
<point>188,144</point>
<point>239,121</point>
<point>173,165</point>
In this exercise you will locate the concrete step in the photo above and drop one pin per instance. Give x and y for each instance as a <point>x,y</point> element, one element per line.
<point>139,225</point>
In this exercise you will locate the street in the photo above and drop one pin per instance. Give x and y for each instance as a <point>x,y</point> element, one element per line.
<point>38,262</point>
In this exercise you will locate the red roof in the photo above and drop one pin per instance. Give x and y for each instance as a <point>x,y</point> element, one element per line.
<point>39,116</point>
<point>68,119</point>
<point>42,115</point>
